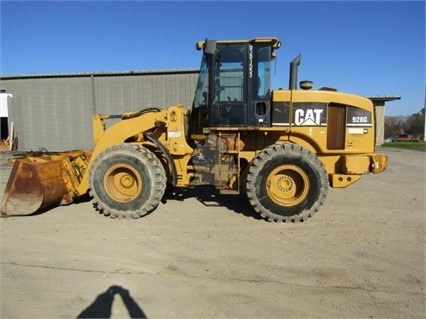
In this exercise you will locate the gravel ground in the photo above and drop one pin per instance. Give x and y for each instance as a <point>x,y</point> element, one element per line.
<point>201,255</point>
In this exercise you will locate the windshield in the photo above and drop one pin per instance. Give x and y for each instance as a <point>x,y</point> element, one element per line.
<point>200,97</point>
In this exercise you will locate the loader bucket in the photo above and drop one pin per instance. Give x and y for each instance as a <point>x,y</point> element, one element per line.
<point>39,182</point>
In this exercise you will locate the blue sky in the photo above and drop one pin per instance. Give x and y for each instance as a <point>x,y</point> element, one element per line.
<point>365,48</point>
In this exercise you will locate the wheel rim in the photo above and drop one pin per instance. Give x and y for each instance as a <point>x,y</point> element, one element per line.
<point>122,183</point>
<point>288,185</point>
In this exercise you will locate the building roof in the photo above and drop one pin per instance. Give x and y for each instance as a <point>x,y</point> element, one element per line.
<point>96,74</point>
<point>384,98</point>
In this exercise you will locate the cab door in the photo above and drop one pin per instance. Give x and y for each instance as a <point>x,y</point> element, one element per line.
<point>229,89</point>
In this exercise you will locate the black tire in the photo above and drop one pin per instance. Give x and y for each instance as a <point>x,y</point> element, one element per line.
<point>286,183</point>
<point>127,181</point>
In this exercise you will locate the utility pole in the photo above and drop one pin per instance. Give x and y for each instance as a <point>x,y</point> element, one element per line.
<point>424,109</point>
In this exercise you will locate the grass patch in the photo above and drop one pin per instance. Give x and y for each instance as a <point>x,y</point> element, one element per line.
<point>415,146</point>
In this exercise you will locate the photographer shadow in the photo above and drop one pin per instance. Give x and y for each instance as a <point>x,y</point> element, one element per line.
<point>102,306</point>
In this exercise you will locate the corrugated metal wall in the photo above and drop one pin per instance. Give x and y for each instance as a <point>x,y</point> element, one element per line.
<point>134,93</point>
<point>55,112</point>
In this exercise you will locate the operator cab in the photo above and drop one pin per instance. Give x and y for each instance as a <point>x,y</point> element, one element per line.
<point>234,84</point>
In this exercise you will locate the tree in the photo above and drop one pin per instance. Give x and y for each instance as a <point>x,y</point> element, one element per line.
<point>415,124</point>
<point>394,125</point>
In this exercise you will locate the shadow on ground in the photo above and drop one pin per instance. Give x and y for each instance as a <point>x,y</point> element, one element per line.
<point>102,306</point>
<point>210,196</point>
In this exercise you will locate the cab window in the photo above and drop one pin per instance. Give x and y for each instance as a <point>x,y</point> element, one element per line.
<point>230,74</point>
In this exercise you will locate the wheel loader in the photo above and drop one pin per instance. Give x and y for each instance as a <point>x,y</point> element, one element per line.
<point>283,148</point>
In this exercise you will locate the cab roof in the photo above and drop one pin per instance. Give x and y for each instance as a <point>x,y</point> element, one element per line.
<point>275,43</point>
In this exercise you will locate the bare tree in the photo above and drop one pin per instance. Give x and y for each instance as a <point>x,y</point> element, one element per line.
<point>394,125</point>
<point>413,124</point>
<point>416,124</point>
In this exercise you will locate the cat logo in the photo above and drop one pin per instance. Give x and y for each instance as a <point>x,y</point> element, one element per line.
<point>308,117</point>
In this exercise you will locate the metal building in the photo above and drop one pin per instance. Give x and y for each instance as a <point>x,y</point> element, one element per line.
<point>55,111</point>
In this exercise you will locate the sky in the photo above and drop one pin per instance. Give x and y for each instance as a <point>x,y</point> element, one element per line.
<point>369,48</point>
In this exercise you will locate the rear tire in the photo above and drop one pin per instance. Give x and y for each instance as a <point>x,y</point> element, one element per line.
<point>286,183</point>
<point>127,181</point>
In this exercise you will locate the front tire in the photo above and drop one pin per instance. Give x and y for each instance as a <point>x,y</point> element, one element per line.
<point>286,182</point>
<point>127,181</point>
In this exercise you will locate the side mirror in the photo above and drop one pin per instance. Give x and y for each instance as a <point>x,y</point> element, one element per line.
<point>210,46</point>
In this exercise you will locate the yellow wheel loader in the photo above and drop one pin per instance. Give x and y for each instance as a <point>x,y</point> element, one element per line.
<point>284,148</point>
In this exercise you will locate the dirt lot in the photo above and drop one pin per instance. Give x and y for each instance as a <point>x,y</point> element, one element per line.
<point>204,256</point>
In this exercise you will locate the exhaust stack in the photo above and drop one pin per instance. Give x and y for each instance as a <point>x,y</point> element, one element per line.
<point>294,65</point>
